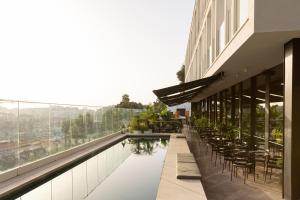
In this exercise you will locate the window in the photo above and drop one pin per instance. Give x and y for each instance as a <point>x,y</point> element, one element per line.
<point>209,43</point>
<point>243,10</point>
<point>276,105</point>
<point>260,105</point>
<point>220,26</point>
<point>246,107</point>
<point>229,19</point>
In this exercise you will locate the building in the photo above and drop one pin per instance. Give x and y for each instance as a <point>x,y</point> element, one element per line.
<point>241,67</point>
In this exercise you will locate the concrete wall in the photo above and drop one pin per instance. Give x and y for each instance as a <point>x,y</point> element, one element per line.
<point>277,15</point>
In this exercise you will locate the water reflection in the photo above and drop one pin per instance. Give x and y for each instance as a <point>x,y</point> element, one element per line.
<point>146,146</point>
<point>108,172</point>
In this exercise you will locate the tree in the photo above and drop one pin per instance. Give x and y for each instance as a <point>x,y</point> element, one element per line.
<point>181,73</point>
<point>90,125</point>
<point>66,130</point>
<point>125,98</point>
<point>126,103</point>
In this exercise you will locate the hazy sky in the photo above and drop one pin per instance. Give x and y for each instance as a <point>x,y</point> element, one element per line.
<point>91,51</point>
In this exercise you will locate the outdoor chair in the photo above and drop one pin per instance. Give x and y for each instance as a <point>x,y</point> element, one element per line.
<point>260,156</point>
<point>228,156</point>
<point>245,160</point>
<point>272,163</point>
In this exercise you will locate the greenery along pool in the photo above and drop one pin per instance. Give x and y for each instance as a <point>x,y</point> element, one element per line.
<point>129,170</point>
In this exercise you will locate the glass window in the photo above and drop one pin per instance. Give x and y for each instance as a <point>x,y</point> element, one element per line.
<point>209,43</point>
<point>228,105</point>
<point>220,26</point>
<point>276,105</point>
<point>237,105</point>
<point>246,103</point>
<point>229,19</point>
<point>243,10</point>
<point>260,105</point>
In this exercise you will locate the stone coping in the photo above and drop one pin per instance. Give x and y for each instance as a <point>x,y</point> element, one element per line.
<point>171,188</point>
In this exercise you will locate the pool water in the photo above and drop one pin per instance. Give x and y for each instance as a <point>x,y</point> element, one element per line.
<point>129,170</point>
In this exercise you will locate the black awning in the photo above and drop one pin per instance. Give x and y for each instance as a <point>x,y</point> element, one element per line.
<point>184,92</point>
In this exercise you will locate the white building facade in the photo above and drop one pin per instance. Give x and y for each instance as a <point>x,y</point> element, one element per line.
<point>255,44</point>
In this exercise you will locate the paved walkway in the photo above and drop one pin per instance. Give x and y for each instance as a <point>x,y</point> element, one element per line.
<point>171,188</point>
<point>218,186</point>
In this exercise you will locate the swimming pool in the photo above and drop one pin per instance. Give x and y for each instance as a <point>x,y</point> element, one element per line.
<point>128,170</point>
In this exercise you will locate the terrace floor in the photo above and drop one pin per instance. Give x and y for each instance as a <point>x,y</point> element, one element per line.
<point>171,188</point>
<point>217,185</point>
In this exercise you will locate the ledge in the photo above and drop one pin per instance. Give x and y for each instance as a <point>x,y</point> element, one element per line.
<point>171,188</point>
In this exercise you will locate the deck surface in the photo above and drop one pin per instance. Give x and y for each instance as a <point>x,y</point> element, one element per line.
<point>172,188</point>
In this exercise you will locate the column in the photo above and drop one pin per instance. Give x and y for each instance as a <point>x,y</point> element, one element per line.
<point>292,120</point>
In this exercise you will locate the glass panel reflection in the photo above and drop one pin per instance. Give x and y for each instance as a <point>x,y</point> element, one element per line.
<point>31,131</point>
<point>8,135</point>
<point>34,131</point>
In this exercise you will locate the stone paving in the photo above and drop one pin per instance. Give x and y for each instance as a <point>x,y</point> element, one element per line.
<point>171,188</point>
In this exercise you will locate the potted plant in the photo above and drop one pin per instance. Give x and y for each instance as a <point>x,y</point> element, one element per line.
<point>143,127</point>
<point>201,123</point>
<point>134,125</point>
<point>278,135</point>
<point>232,132</point>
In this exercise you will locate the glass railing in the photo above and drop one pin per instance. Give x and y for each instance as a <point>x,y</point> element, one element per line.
<point>30,131</point>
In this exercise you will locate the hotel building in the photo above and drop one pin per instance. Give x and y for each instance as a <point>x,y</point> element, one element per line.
<point>241,67</point>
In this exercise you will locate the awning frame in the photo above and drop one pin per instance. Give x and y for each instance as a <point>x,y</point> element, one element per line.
<point>184,92</point>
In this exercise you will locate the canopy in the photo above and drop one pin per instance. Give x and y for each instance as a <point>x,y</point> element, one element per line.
<point>178,94</point>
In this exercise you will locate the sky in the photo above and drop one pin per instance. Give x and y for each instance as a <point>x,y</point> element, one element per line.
<point>91,52</point>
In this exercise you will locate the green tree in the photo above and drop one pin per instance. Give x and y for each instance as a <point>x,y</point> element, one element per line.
<point>181,73</point>
<point>126,103</point>
<point>159,106</point>
<point>125,98</point>
<point>90,126</point>
<point>66,130</point>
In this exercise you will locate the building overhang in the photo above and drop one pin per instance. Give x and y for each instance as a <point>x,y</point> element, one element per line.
<point>259,53</point>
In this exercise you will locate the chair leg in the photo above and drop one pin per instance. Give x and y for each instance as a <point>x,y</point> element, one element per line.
<point>231,173</point>
<point>216,158</point>
<point>245,174</point>
<point>254,173</point>
<point>266,173</point>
